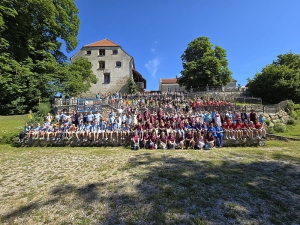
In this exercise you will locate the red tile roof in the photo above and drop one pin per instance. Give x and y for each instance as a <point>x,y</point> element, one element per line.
<point>103,43</point>
<point>169,81</point>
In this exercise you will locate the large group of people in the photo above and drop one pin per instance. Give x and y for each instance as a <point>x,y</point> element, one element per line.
<point>172,101</point>
<point>183,127</point>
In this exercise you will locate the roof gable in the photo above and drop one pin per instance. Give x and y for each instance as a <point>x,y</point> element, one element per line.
<point>103,43</point>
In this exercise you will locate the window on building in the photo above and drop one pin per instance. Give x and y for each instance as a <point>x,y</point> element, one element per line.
<point>106,78</point>
<point>115,52</point>
<point>101,64</point>
<point>118,64</point>
<point>88,52</point>
<point>101,51</point>
<point>169,89</point>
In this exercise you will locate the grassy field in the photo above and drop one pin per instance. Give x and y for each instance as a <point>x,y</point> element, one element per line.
<point>119,186</point>
<point>10,125</point>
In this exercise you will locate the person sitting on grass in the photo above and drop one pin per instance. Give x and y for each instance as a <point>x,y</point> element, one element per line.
<point>135,141</point>
<point>145,140</point>
<point>200,142</point>
<point>153,140</point>
<point>189,140</point>
<point>179,140</point>
<point>171,140</point>
<point>163,141</point>
<point>210,140</point>
<point>219,137</point>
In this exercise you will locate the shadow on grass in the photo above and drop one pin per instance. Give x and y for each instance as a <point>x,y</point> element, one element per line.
<point>175,190</point>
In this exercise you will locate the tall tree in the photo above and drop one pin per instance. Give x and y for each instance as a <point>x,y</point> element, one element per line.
<point>204,64</point>
<point>279,80</point>
<point>39,26</point>
<point>132,88</point>
<point>32,64</point>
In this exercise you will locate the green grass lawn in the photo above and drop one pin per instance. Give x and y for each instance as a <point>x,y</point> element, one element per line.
<point>12,124</point>
<point>120,186</point>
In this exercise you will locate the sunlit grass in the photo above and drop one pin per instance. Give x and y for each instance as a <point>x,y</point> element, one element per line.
<point>247,185</point>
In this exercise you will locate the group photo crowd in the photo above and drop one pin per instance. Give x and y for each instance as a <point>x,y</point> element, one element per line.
<point>152,123</point>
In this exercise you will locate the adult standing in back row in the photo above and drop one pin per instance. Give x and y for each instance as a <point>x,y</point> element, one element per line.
<point>252,116</point>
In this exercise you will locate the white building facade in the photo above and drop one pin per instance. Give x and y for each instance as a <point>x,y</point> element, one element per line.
<point>111,65</point>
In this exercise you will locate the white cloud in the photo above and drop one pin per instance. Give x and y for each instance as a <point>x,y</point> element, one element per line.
<point>152,50</point>
<point>152,66</point>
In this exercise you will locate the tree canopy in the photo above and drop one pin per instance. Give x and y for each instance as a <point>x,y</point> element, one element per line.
<point>204,64</point>
<point>279,80</point>
<point>32,63</point>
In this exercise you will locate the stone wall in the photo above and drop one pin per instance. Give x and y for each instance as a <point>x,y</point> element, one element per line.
<point>281,117</point>
<point>74,143</point>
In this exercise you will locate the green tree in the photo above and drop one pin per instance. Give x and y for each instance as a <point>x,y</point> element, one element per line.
<point>79,77</point>
<point>32,64</point>
<point>40,26</point>
<point>279,80</point>
<point>204,64</point>
<point>131,86</point>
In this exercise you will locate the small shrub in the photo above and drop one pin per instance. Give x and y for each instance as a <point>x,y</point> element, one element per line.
<point>268,122</point>
<point>296,107</point>
<point>291,122</point>
<point>36,118</point>
<point>290,106</point>
<point>279,128</point>
<point>270,130</point>
<point>294,115</point>
<point>42,109</point>
<point>9,137</point>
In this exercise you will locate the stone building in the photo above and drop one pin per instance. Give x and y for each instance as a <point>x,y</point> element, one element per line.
<point>112,66</point>
<point>170,85</point>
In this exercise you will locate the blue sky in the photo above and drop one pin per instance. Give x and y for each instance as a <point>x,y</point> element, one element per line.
<point>157,32</point>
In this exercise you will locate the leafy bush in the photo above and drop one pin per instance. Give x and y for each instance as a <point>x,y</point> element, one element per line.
<point>42,109</point>
<point>296,107</point>
<point>279,128</point>
<point>268,122</point>
<point>39,113</point>
<point>294,115</point>
<point>290,106</point>
<point>36,118</point>
<point>291,122</point>
<point>9,137</point>
<point>270,130</point>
